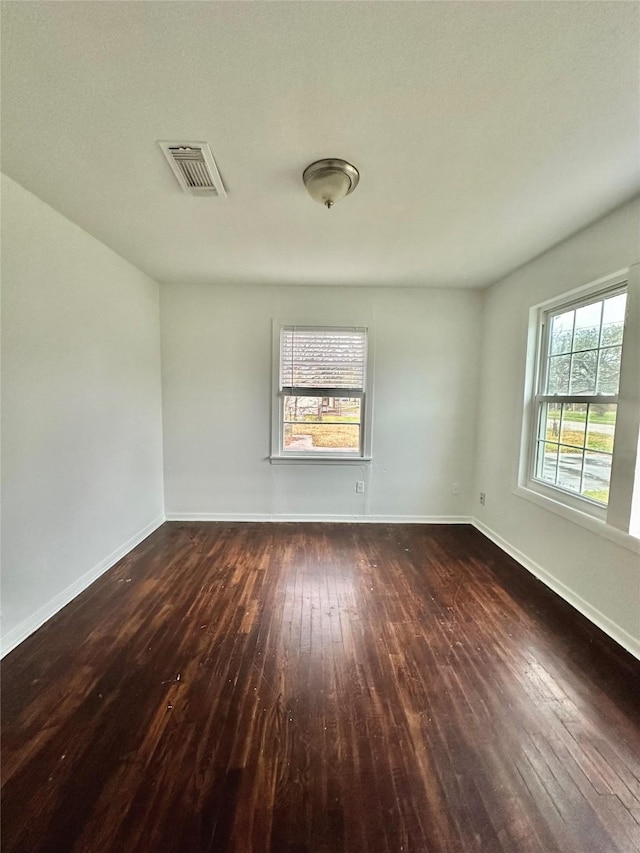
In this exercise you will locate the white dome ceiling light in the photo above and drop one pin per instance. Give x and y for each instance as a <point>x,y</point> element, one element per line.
<point>328,181</point>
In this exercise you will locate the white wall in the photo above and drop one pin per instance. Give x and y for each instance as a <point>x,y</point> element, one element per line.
<point>82,414</point>
<point>216,353</point>
<point>600,577</point>
<point>81,410</point>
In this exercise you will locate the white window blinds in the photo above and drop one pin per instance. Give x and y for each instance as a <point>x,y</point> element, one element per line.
<point>321,361</point>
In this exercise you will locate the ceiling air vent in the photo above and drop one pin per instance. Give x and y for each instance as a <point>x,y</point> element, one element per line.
<point>193,165</point>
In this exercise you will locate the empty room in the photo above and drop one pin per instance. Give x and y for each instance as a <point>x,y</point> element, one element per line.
<point>320,425</point>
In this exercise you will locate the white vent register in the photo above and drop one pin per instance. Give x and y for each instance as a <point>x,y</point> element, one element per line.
<point>194,167</point>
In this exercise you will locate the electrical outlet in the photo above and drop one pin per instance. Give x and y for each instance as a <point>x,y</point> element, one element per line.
<point>482,498</point>
<point>455,488</point>
<point>360,487</point>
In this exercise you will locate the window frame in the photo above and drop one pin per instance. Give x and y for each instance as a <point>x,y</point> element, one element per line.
<point>278,454</point>
<point>618,513</point>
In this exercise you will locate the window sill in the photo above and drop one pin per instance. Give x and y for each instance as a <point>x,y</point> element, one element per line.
<point>320,460</point>
<point>589,522</point>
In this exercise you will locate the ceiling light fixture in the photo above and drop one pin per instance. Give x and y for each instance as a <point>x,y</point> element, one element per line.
<point>328,181</point>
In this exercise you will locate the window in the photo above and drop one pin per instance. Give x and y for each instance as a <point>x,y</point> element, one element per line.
<point>578,403</point>
<point>322,400</point>
<point>584,415</point>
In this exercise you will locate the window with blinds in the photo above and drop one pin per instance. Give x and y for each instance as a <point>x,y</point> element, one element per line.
<point>322,390</point>
<point>314,359</point>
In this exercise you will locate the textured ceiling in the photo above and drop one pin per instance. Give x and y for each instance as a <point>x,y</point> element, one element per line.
<point>484,132</point>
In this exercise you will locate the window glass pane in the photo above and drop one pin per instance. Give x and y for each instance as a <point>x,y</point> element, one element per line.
<point>550,422</point>
<point>609,370</point>
<point>583,373</point>
<point>561,333</point>
<point>574,422</point>
<point>601,426</point>
<point>547,461</point>
<point>569,468</point>
<point>321,424</point>
<point>336,410</point>
<point>613,320</point>
<point>597,475</point>
<point>558,374</point>
<point>322,438</point>
<point>587,328</point>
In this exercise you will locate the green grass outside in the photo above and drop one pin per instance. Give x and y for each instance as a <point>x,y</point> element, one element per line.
<point>601,495</point>
<point>336,435</point>
<point>595,440</point>
<point>595,417</point>
<point>342,419</point>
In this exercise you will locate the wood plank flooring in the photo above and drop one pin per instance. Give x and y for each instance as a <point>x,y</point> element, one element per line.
<point>300,688</point>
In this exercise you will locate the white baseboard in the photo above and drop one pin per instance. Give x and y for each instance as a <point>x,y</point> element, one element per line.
<point>622,637</point>
<point>14,637</point>
<point>352,519</point>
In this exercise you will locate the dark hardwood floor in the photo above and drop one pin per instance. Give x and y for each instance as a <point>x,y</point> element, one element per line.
<point>320,687</point>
